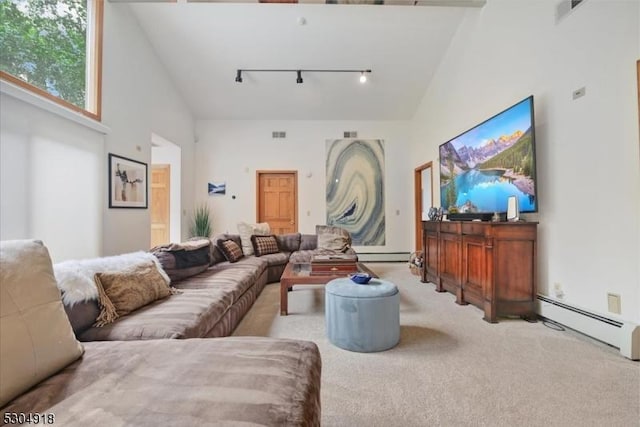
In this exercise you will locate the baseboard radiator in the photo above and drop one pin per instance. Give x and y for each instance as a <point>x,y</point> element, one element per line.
<point>383,256</point>
<point>620,334</point>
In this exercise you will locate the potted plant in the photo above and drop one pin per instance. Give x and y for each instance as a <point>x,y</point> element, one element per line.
<point>201,225</point>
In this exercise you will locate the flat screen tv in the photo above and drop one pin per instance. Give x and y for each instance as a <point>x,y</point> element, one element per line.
<point>482,167</point>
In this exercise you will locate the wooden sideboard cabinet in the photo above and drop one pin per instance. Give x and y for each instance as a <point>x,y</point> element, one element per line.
<point>491,265</point>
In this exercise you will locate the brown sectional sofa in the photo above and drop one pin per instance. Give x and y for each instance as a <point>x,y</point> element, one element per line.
<point>128,374</point>
<point>145,381</point>
<point>213,302</point>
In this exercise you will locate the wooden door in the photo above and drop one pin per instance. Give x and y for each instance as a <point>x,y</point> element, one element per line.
<point>277,200</point>
<point>160,201</point>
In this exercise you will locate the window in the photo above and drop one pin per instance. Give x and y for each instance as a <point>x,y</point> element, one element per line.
<point>54,48</point>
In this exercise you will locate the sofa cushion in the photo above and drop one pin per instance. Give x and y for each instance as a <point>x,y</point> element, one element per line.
<point>122,292</point>
<point>226,381</point>
<point>231,250</point>
<point>308,242</point>
<point>279,258</point>
<point>289,242</point>
<point>233,278</point>
<point>264,245</point>
<point>189,314</point>
<point>36,339</point>
<point>247,230</point>
<point>82,315</point>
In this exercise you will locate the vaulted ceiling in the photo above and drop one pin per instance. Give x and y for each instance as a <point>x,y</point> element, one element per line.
<point>202,45</point>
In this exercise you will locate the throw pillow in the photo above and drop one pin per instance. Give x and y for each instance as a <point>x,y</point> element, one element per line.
<point>121,292</point>
<point>36,338</point>
<point>230,249</point>
<point>247,230</point>
<point>264,245</point>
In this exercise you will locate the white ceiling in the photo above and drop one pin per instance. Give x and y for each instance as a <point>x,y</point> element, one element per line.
<point>203,44</point>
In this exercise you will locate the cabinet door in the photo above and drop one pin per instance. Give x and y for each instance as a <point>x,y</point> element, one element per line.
<point>450,257</point>
<point>431,256</point>
<point>474,269</point>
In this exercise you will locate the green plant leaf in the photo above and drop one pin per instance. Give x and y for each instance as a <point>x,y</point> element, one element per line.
<point>201,224</point>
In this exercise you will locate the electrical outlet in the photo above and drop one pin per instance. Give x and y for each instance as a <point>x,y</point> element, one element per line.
<point>613,302</point>
<point>557,290</point>
<point>579,93</point>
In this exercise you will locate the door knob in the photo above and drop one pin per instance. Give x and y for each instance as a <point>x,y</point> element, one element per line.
<point>291,222</point>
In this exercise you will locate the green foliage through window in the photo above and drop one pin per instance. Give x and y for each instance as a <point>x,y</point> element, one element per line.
<point>44,43</point>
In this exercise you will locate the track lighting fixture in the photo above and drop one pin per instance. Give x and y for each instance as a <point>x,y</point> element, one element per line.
<point>363,73</point>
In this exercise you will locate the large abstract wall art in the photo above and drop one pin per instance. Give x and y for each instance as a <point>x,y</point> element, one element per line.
<point>355,189</point>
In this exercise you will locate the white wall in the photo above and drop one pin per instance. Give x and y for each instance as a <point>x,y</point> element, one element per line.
<point>139,99</point>
<point>587,150</point>
<point>54,182</point>
<point>234,150</point>
<point>50,183</point>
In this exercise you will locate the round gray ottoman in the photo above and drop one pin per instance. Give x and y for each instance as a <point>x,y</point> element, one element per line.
<point>363,318</point>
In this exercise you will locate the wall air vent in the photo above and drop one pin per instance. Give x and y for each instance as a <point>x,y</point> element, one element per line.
<point>565,7</point>
<point>350,134</point>
<point>278,134</point>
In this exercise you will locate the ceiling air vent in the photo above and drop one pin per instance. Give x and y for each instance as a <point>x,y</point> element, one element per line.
<point>350,134</point>
<point>278,134</point>
<point>565,7</point>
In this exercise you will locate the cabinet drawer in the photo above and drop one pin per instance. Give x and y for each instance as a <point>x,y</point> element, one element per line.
<point>430,225</point>
<point>449,227</point>
<point>473,228</point>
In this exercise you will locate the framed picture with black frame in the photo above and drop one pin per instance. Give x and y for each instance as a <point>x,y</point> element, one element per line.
<point>127,183</point>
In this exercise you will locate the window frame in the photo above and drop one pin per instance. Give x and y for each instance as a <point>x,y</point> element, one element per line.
<point>93,67</point>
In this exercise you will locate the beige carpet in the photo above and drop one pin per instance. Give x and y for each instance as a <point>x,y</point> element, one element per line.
<point>451,368</point>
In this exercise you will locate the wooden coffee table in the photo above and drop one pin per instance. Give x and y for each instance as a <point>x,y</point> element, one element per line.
<point>300,274</point>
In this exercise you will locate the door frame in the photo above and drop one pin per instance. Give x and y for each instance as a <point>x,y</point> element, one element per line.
<point>417,181</point>
<point>295,192</point>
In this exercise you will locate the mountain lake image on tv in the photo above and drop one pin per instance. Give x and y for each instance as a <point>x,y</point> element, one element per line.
<point>482,167</point>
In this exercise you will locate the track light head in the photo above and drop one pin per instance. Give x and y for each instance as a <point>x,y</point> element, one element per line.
<point>363,77</point>
<point>299,79</point>
<point>239,76</point>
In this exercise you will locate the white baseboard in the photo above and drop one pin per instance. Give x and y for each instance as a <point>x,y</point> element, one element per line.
<point>620,334</point>
<point>383,257</point>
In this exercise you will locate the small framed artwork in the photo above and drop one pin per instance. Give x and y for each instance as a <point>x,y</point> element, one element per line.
<point>127,183</point>
<point>218,188</point>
